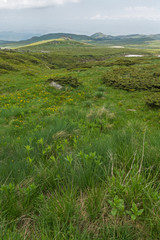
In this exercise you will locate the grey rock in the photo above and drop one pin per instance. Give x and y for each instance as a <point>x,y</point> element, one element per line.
<point>55,85</point>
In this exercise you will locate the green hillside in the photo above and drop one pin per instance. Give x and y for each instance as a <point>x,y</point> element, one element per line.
<point>100,35</point>
<point>50,36</point>
<point>50,45</point>
<point>55,36</point>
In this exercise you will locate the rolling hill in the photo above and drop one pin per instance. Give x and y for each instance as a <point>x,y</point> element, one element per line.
<point>48,45</point>
<point>97,38</point>
<point>52,36</point>
<point>101,36</point>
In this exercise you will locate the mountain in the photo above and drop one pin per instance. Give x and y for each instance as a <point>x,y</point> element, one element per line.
<point>98,35</point>
<point>14,36</point>
<point>97,38</point>
<point>101,36</point>
<point>155,37</point>
<point>124,39</point>
<point>5,43</point>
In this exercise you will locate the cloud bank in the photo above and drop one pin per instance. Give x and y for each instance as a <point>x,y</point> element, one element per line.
<point>133,13</point>
<point>20,4</point>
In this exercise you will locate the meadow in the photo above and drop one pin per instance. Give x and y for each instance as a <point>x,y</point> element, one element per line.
<point>81,162</point>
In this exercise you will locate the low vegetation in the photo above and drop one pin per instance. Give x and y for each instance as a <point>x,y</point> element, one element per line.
<point>81,162</point>
<point>65,80</point>
<point>142,76</point>
<point>153,100</point>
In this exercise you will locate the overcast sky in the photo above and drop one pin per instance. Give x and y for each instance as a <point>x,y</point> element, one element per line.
<point>81,16</point>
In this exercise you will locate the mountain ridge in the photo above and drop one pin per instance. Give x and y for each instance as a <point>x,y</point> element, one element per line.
<point>98,35</point>
<point>98,38</point>
<point>15,36</point>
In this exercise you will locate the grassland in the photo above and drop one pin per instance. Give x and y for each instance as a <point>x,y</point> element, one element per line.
<point>82,162</point>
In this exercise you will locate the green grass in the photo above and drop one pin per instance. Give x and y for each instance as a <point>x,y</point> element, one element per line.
<point>82,162</point>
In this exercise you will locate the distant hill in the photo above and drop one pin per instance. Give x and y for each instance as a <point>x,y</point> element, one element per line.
<point>98,35</point>
<point>49,45</point>
<point>14,36</point>
<point>97,38</point>
<point>155,37</point>
<point>101,36</point>
<point>3,42</point>
<point>124,39</point>
<point>56,36</point>
<point>6,43</point>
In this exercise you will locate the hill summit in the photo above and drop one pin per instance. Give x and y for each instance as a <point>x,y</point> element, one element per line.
<point>98,35</point>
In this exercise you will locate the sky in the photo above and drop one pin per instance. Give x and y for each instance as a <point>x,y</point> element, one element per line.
<point>112,17</point>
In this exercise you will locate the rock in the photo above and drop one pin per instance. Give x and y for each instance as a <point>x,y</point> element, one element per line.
<point>55,85</point>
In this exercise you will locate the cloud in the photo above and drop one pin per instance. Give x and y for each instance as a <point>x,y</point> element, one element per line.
<point>146,13</point>
<point>133,13</point>
<point>100,17</point>
<point>20,4</point>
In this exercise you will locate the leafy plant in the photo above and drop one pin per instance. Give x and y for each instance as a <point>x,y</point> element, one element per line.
<point>135,212</point>
<point>117,205</point>
<point>69,158</point>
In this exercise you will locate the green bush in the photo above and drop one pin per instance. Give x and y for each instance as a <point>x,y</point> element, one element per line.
<point>98,94</point>
<point>5,66</point>
<point>66,80</point>
<point>133,78</point>
<point>154,100</point>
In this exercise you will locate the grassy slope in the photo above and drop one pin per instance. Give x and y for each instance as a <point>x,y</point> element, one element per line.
<point>74,162</point>
<point>50,45</point>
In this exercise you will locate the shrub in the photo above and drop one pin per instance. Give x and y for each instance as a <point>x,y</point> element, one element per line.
<point>154,100</point>
<point>133,78</point>
<point>98,94</point>
<point>65,80</point>
<point>8,67</point>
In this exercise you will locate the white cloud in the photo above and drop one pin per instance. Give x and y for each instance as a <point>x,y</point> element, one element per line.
<point>133,13</point>
<point>20,4</point>
<point>146,13</point>
<point>100,17</point>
